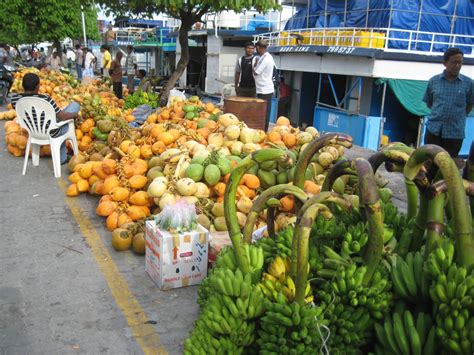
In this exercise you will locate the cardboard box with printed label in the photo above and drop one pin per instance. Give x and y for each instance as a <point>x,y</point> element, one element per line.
<point>176,259</point>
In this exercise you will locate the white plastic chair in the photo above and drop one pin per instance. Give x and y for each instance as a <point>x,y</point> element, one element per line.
<point>37,116</point>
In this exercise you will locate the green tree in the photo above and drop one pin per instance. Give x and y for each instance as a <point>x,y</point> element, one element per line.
<point>33,21</point>
<point>188,12</point>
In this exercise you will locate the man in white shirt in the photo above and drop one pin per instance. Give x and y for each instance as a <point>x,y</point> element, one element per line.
<point>263,75</point>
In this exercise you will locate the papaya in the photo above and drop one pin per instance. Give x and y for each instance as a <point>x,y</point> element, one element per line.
<point>195,172</point>
<point>224,165</point>
<point>267,178</point>
<point>212,174</point>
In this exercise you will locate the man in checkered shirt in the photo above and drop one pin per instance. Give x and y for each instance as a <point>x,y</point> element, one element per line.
<point>450,96</point>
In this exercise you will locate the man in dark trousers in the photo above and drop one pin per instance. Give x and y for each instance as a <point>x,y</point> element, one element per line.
<point>450,96</point>
<point>244,81</point>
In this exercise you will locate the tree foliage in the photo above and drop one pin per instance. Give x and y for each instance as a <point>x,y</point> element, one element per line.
<point>33,21</point>
<point>188,12</point>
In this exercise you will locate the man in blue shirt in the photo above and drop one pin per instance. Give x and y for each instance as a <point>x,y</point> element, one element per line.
<point>450,97</point>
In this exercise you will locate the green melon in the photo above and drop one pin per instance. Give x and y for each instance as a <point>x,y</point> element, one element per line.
<point>198,160</point>
<point>195,172</point>
<point>212,174</point>
<point>202,123</point>
<point>190,115</point>
<point>188,108</point>
<point>224,165</point>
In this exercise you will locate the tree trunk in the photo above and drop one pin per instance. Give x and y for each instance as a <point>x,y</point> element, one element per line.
<point>182,63</point>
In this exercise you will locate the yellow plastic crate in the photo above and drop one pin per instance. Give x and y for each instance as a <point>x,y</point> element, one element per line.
<point>306,37</point>
<point>380,40</point>
<point>363,39</point>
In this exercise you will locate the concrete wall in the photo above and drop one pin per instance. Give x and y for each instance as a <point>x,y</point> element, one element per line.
<point>220,64</point>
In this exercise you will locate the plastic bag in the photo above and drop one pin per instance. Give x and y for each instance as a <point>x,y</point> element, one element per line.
<point>141,113</point>
<point>175,94</point>
<point>177,218</point>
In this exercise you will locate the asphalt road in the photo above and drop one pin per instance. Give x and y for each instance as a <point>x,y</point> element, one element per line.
<point>63,289</point>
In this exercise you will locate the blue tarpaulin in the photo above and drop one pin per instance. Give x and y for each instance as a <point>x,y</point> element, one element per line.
<point>440,16</point>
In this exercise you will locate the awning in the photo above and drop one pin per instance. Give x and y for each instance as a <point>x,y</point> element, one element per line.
<point>410,94</point>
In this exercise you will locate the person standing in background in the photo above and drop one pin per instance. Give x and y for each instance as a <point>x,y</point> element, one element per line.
<point>116,75</point>
<point>244,80</point>
<point>450,96</point>
<point>131,68</point>
<point>55,62</point>
<point>284,99</point>
<point>145,83</point>
<point>110,36</point>
<point>89,63</point>
<point>79,61</point>
<point>106,60</point>
<point>263,74</point>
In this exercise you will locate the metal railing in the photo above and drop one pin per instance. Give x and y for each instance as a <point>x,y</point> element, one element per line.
<point>387,39</point>
<point>156,36</point>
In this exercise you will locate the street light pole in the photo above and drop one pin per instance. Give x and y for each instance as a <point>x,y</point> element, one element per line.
<point>83,25</point>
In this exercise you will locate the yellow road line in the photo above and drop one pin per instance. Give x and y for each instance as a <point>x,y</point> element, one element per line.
<point>144,333</point>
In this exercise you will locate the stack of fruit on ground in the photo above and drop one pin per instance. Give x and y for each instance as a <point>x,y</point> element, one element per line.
<point>100,109</point>
<point>178,160</point>
<point>353,274</point>
<point>10,114</point>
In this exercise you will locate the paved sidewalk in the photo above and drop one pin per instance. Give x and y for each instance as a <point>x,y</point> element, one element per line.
<point>57,301</point>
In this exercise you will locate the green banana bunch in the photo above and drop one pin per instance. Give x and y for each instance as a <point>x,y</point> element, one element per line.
<point>352,308</point>
<point>226,259</point>
<point>405,334</point>
<point>440,259</point>
<point>453,292</point>
<point>284,241</point>
<point>409,279</point>
<point>268,247</point>
<point>201,342</point>
<point>332,262</point>
<point>354,239</point>
<point>273,287</point>
<point>289,328</point>
<point>227,314</point>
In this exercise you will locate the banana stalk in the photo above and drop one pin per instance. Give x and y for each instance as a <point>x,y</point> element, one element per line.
<point>302,232</point>
<point>434,223</point>
<point>441,186</point>
<point>259,205</point>
<point>230,207</point>
<point>271,221</point>
<point>456,193</point>
<point>395,156</point>
<point>342,167</point>
<point>420,224</point>
<point>370,199</point>
<point>320,199</point>
<point>312,148</point>
<point>469,175</point>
